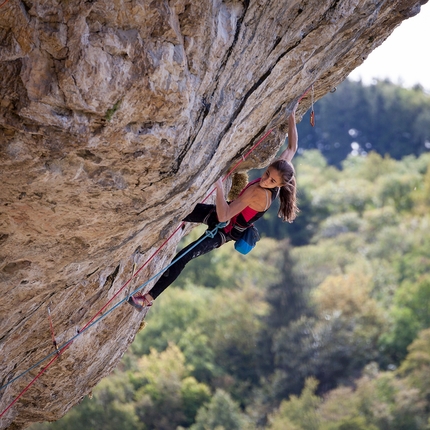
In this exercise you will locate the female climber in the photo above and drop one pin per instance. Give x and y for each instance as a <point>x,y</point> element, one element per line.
<point>254,200</point>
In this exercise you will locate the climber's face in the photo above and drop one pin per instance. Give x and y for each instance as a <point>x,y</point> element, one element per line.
<point>271,178</point>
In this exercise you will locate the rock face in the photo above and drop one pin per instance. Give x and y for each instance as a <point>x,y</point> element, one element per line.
<point>116,117</point>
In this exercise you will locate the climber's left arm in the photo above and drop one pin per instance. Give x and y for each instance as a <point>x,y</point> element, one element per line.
<point>227,211</point>
<point>293,137</point>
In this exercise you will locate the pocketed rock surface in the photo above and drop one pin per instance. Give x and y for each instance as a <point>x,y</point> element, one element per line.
<point>116,117</point>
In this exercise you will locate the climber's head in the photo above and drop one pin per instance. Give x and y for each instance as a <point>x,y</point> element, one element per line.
<point>281,174</point>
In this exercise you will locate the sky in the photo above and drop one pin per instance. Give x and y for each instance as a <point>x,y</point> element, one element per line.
<point>404,57</point>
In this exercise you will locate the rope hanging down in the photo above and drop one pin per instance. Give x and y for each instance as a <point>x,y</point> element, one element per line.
<point>312,118</point>
<point>94,320</point>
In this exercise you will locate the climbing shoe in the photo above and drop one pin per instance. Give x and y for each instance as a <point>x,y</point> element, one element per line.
<point>139,302</point>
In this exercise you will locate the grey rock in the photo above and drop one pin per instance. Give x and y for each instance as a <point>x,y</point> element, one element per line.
<point>116,117</point>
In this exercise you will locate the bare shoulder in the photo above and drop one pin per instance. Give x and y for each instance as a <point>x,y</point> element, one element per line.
<point>258,197</point>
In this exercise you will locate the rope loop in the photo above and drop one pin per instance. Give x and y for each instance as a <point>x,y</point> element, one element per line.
<point>212,233</point>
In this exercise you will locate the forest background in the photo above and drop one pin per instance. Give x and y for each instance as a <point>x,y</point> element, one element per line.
<point>325,325</point>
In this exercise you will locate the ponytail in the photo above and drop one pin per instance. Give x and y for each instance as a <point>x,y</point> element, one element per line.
<point>287,193</point>
<point>288,209</point>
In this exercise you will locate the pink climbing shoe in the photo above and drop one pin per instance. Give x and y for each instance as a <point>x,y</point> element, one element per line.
<point>140,301</point>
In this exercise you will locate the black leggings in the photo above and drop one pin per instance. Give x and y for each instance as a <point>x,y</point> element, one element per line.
<point>202,214</point>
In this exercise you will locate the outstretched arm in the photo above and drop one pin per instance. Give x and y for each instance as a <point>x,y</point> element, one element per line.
<point>293,137</point>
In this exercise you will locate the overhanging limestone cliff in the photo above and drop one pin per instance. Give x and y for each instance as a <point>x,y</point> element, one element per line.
<point>115,119</point>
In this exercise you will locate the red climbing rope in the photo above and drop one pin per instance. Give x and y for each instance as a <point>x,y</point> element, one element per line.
<point>5,1</point>
<point>300,99</point>
<point>35,378</point>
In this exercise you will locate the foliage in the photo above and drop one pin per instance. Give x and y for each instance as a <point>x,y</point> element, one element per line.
<point>416,366</point>
<point>333,346</point>
<point>288,301</point>
<point>397,189</point>
<point>169,320</point>
<point>383,117</point>
<point>379,401</point>
<point>110,408</point>
<point>165,396</point>
<point>409,315</point>
<point>298,412</point>
<point>343,196</point>
<point>222,413</point>
<point>111,112</point>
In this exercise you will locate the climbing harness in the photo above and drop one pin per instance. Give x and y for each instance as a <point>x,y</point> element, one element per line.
<point>101,314</point>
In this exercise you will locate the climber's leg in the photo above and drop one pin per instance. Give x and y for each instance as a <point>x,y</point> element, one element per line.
<point>183,257</point>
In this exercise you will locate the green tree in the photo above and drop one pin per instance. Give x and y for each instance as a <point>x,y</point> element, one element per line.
<point>110,408</point>
<point>378,401</point>
<point>196,347</point>
<point>298,413</point>
<point>168,320</point>
<point>416,367</point>
<point>382,117</point>
<point>370,167</point>
<point>422,197</point>
<point>234,321</point>
<point>166,396</point>
<point>343,196</point>
<point>397,190</point>
<point>221,413</point>
<point>410,314</point>
<point>332,346</point>
<point>288,300</point>
<point>340,224</point>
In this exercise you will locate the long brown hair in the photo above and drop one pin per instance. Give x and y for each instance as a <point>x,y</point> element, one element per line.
<point>287,193</point>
